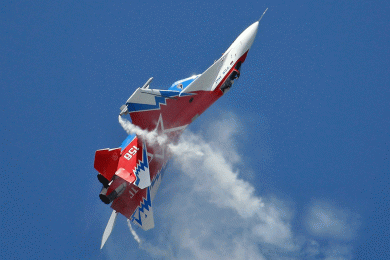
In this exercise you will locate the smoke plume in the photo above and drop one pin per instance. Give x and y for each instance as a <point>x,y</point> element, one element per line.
<point>208,210</point>
<point>151,138</point>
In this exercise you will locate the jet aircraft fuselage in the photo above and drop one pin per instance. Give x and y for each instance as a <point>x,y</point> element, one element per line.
<point>132,173</point>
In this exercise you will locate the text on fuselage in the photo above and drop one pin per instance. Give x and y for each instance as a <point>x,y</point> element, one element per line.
<point>132,151</point>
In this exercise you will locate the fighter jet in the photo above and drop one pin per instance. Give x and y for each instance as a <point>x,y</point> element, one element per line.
<point>131,174</point>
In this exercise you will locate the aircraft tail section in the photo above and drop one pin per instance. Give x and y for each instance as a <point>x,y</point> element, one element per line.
<point>129,163</point>
<point>133,164</point>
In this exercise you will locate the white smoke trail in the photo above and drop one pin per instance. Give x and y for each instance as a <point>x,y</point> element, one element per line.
<point>152,137</point>
<point>201,160</point>
<point>135,235</point>
<point>221,216</point>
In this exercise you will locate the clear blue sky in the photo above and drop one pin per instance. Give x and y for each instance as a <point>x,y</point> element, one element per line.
<point>307,125</point>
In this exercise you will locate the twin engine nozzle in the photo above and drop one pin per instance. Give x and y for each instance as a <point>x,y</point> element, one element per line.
<point>113,194</point>
<point>123,166</point>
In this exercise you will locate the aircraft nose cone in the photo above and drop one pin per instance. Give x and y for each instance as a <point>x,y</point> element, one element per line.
<point>245,40</point>
<point>249,34</point>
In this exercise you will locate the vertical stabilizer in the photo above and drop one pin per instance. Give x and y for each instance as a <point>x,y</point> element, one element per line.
<point>134,161</point>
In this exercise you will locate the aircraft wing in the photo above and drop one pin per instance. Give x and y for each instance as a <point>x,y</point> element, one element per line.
<point>208,79</point>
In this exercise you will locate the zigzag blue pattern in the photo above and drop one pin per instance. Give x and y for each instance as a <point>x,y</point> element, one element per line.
<point>148,202</point>
<point>132,107</point>
<point>142,165</point>
<point>144,206</point>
